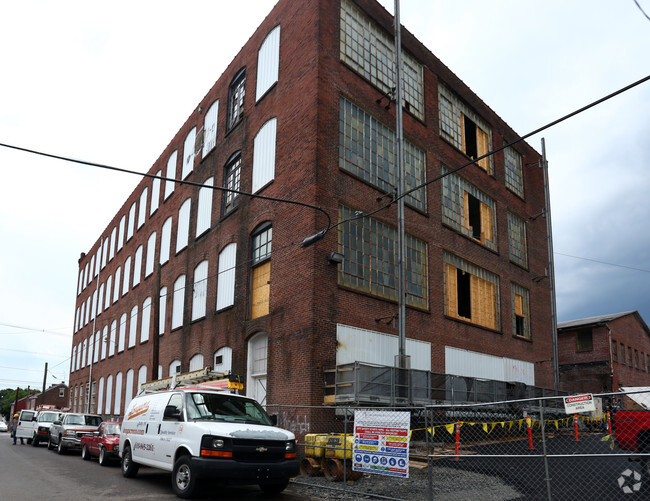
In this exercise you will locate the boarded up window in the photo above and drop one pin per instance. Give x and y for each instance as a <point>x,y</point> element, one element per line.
<point>471,293</point>
<point>520,311</point>
<point>584,341</point>
<point>261,288</point>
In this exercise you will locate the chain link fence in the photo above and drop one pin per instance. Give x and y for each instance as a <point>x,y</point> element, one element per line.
<point>524,449</point>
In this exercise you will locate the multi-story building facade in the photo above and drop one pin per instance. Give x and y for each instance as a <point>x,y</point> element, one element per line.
<point>188,274</point>
<point>604,353</point>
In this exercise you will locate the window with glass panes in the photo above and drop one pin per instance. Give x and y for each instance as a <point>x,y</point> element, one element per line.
<point>370,265</point>
<point>517,240</point>
<point>520,311</point>
<point>514,171</point>
<point>231,179</point>
<point>236,94</point>
<point>367,150</point>
<point>261,272</point>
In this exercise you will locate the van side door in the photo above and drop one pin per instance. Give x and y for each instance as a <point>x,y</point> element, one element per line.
<point>170,429</point>
<point>26,424</point>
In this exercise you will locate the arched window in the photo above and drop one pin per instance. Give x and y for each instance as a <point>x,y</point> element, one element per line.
<point>118,394</point>
<point>151,251</point>
<point>120,233</point>
<point>268,61</point>
<point>236,93</point>
<point>223,359</point>
<point>210,128</point>
<point>257,362</point>
<point>264,155</point>
<point>122,339</point>
<point>231,181</point>
<point>200,290</point>
<point>165,240</point>
<point>174,367</point>
<point>188,153</point>
<point>226,277</point>
<point>109,394</point>
<point>155,193</point>
<point>183,229</point>
<point>100,395</point>
<point>126,281</point>
<point>142,377</point>
<point>146,320</point>
<point>178,302</point>
<point>137,265</point>
<point>113,339</point>
<point>142,213</point>
<point>170,173</point>
<point>133,326</point>
<point>162,311</point>
<point>130,230</point>
<point>128,390</point>
<point>204,212</point>
<point>261,272</point>
<point>196,362</point>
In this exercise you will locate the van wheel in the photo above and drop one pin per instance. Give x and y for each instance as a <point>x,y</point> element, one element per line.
<point>29,441</point>
<point>129,468</point>
<point>50,445</point>
<point>274,488</point>
<point>85,455</point>
<point>34,440</point>
<point>183,478</point>
<point>102,456</point>
<point>59,447</point>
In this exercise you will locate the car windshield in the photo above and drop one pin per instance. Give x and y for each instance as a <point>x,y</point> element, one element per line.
<point>48,417</point>
<point>74,419</point>
<point>225,407</point>
<point>92,420</point>
<point>112,429</point>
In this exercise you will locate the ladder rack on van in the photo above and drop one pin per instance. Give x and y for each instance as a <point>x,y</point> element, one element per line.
<point>205,379</point>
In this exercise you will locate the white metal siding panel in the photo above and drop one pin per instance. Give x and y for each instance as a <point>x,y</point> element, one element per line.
<point>133,326</point>
<point>268,61</point>
<point>362,345</point>
<point>210,128</point>
<point>155,193</point>
<point>264,155</point>
<point>480,365</point>
<point>204,213</point>
<point>226,359</point>
<point>142,212</point>
<point>183,229</point>
<point>188,153</point>
<point>226,277</point>
<point>131,227</point>
<point>170,173</point>
<point>179,299</point>
<point>137,265</point>
<point>200,291</point>
<point>146,320</point>
<point>165,240</point>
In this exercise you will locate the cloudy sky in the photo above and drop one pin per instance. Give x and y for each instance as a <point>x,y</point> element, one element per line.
<point>112,82</point>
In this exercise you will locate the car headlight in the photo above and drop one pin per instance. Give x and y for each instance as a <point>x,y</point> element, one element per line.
<point>290,446</point>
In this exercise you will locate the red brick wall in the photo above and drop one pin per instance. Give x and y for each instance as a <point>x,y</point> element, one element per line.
<point>306,301</point>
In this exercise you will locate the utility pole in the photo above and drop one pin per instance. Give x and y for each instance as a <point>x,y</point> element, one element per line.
<point>44,383</point>
<point>402,360</point>
<point>551,268</point>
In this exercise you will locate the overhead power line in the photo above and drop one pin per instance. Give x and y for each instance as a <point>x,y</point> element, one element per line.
<point>602,262</point>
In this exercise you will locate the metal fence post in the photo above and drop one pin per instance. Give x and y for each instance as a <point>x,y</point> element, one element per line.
<point>547,476</point>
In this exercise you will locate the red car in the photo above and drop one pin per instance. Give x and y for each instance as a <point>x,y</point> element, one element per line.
<point>103,443</point>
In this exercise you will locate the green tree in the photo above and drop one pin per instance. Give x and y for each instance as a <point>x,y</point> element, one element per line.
<point>7,397</point>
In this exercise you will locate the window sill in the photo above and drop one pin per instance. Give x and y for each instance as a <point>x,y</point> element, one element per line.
<point>522,338</point>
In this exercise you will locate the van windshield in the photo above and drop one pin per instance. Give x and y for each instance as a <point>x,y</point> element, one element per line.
<point>225,407</point>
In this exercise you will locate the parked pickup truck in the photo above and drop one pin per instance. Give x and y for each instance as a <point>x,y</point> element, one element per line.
<point>66,434</point>
<point>103,443</point>
<point>632,432</point>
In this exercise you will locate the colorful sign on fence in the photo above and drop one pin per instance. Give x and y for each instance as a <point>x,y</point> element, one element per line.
<point>579,403</point>
<point>381,442</point>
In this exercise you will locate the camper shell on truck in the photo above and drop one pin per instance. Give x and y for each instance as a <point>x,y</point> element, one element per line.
<point>200,433</point>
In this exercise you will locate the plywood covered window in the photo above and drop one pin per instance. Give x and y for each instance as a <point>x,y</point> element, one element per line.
<point>268,62</point>
<point>170,173</point>
<point>463,128</point>
<point>520,311</point>
<point>370,261</point>
<point>471,293</point>
<point>264,155</point>
<point>517,240</point>
<point>226,276</point>
<point>370,51</point>
<point>204,212</point>
<point>182,231</point>
<point>210,128</point>
<point>467,209</point>
<point>236,93</point>
<point>261,270</point>
<point>231,181</point>
<point>367,150</point>
<point>514,171</point>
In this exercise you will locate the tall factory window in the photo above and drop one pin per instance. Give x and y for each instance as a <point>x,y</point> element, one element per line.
<point>182,231</point>
<point>204,212</point>
<point>178,302</point>
<point>170,173</point>
<point>268,61</point>
<point>236,93</point>
<point>514,171</point>
<point>210,128</point>
<point>231,179</point>
<point>261,272</point>
<point>584,341</point>
<point>226,277</point>
<point>188,153</point>
<point>200,292</point>
<point>264,155</point>
<point>520,311</point>
<point>517,240</point>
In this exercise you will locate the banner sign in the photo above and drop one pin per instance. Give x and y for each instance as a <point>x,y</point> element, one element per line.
<point>381,442</point>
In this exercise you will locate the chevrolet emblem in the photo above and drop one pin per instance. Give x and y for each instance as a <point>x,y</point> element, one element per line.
<point>261,449</point>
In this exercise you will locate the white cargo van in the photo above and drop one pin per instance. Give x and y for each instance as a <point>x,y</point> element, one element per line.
<point>196,433</point>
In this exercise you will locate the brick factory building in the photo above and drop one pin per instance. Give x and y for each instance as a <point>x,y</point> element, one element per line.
<point>186,276</point>
<point>604,353</point>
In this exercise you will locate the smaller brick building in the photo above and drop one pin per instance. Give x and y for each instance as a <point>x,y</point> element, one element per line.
<point>603,353</point>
